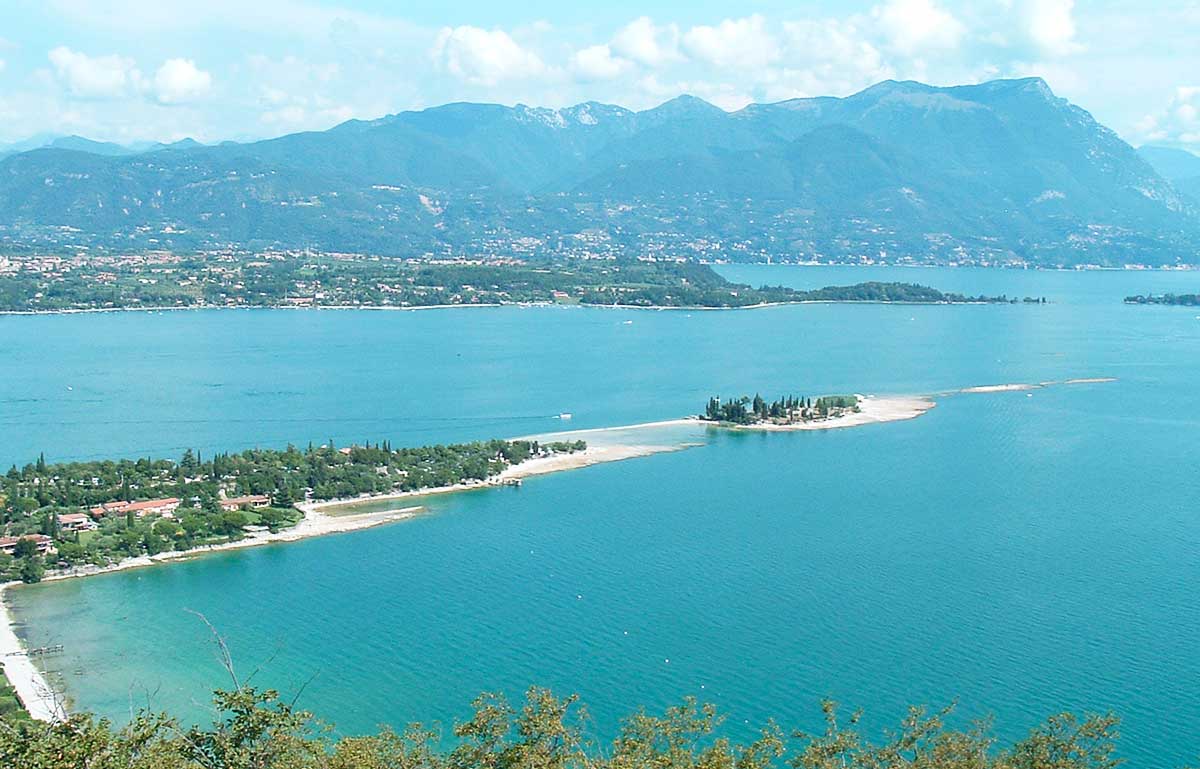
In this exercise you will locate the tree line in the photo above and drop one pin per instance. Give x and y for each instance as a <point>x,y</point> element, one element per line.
<point>257,729</point>
<point>787,409</point>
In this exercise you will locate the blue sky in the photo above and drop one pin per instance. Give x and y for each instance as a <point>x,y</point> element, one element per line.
<point>129,70</point>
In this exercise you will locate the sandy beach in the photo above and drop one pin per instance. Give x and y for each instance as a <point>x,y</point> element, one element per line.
<point>589,456</point>
<point>1021,386</point>
<point>36,695</point>
<point>325,510</point>
<point>40,699</point>
<point>1001,388</point>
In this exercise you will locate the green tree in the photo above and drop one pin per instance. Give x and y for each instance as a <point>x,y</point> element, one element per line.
<point>31,569</point>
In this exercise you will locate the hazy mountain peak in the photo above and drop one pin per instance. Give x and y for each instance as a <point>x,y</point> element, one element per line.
<point>685,104</point>
<point>887,87</point>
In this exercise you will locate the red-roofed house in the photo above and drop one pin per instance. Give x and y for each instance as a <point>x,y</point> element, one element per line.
<point>76,522</point>
<point>254,500</point>
<point>44,543</point>
<point>140,509</point>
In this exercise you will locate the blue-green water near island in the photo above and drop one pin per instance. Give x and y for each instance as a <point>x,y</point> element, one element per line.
<point>1021,555</point>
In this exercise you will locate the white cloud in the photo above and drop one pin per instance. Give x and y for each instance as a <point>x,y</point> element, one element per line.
<point>1104,56</point>
<point>828,56</point>
<point>3,64</point>
<point>95,77</point>
<point>179,80</point>
<point>739,43</point>
<point>1177,123</point>
<point>646,43</point>
<point>299,116</point>
<point>1051,26</point>
<point>483,57</point>
<point>917,27</point>
<point>598,63</point>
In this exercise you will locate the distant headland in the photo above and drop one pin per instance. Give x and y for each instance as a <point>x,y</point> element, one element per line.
<point>349,281</point>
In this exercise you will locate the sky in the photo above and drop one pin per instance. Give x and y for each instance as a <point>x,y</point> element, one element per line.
<point>162,70</point>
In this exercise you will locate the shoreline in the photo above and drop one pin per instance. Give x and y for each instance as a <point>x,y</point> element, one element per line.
<point>36,694</point>
<point>592,455</point>
<point>43,703</point>
<point>395,308</point>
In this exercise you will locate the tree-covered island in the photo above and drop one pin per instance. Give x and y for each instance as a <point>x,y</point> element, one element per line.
<point>788,410</point>
<point>1180,300</point>
<point>76,513</point>
<point>159,281</point>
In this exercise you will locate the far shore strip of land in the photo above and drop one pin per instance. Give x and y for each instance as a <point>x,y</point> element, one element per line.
<point>414,308</point>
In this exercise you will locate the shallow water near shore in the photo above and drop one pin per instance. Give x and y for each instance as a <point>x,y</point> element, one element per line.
<point>1023,555</point>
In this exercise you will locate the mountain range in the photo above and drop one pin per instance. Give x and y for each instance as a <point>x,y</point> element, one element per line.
<point>82,144</point>
<point>1003,171</point>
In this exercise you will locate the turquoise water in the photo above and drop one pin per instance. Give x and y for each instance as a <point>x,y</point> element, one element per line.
<point>1021,555</point>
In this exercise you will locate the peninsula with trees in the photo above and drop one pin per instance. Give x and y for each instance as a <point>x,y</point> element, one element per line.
<point>59,516</point>
<point>51,283</point>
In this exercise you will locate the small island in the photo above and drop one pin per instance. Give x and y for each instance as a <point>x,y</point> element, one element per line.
<point>788,410</point>
<point>1179,300</point>
<point>827,412</point>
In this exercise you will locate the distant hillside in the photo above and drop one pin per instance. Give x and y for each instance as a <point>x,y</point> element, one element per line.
<point>997,172</point>
<point>1171,164</point>
<point>1177,166</point>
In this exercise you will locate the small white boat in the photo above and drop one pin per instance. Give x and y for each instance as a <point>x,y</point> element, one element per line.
<point>565,415</point>
<point>627,323</point>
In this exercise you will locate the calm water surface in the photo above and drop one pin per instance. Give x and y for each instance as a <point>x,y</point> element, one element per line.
<point>1021,555</point>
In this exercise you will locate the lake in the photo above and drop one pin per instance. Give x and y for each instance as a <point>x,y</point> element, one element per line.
<point>1019,555</point>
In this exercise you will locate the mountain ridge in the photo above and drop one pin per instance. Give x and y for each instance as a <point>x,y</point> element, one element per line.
<point>1002,171</point>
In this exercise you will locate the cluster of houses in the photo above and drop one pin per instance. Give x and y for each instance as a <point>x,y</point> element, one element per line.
<point>80,522</point>
<point>164,508</point>
<point>70,523</point>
